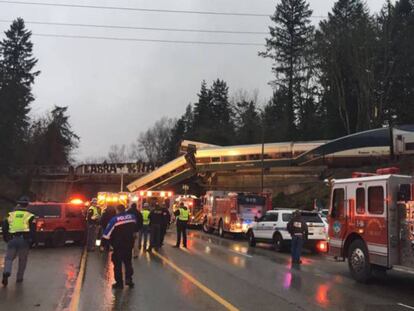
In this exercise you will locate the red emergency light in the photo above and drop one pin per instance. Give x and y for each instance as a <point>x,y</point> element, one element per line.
<point>322,246</point>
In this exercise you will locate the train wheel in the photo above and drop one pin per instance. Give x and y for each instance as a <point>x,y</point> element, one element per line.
<point>358,261</point>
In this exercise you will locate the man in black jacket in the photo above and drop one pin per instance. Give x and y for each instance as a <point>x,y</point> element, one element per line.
<point>120,232</point>
<point>138,216</point>
<point>298,229</point>
<point>156,219</point>
<point>167,219</point>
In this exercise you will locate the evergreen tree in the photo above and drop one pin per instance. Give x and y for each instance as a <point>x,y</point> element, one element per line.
<point>289,45</point>
<point>16,79</point>
<point>203,114</point>
<point>346,53</point>
<point>275,123</point>
<point>249,129</point>
<point>54,139</point>
<point>221,124</point>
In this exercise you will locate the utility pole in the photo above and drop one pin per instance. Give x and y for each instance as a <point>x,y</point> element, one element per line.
<point>122,182</point>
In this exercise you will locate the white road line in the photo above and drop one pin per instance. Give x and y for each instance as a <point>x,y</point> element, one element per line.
<point>405,306</point>
<point>238,253</point>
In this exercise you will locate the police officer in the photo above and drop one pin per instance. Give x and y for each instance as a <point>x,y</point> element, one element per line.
<point>92,220</point>
<point>120,233</point>
<point>145,230</point>
<point>167,218</point>
<point>19,231</point>
<point>298,229</point>
<point>156,219</point>
<point>182,215</point>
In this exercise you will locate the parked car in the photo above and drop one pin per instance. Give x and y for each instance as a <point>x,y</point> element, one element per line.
<point>57,223</point>
<point>272,228</point>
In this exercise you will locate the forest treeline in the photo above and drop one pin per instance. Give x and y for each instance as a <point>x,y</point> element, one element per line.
<point>352,72</point>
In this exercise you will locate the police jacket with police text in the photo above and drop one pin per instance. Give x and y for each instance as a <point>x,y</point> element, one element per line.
<point>297,226</point>
<point>120,230</point>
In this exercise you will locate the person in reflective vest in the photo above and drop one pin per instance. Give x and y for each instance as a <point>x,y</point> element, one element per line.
<point>145,230</point>
<point>182,215</point>
<point>19,231</point>
<point>92,220</point>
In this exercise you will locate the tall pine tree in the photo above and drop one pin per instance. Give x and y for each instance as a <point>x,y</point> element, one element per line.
<point>346,53</point>
<point>289,45</point>
<point>17,76</point>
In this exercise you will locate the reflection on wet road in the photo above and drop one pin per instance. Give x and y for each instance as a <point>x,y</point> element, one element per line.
<point>212,274</point>
<point>247,278</point>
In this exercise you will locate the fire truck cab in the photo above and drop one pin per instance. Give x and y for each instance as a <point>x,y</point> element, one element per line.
<point>231,211</point>
<point>371,222</point>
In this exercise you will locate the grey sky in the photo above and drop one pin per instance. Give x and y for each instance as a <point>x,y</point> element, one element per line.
<point>115,89</point>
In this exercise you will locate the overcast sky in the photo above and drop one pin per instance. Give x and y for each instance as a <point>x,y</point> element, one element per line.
<point>116,89</point>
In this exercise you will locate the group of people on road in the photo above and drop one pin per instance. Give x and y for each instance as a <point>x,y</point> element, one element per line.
<point>127,231</point>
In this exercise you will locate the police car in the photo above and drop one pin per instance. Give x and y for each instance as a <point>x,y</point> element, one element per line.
<point>272,228</point>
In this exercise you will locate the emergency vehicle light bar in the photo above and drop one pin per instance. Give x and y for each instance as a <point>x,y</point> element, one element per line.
<point>162,194</point>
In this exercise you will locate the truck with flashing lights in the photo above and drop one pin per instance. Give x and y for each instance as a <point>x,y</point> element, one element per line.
<point>105,199</point>
<point>233,212</point>
<point>152,198</point>
<point>371,222</point>
<point>193,204</point>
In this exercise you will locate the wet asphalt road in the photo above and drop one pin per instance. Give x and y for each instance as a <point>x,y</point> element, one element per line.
<point>230,274</point>
<point>48,283</point>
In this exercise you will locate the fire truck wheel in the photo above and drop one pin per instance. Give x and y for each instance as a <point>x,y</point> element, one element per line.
<point>358,261</point>
<point>59,238</point>
<point>278,243</point>
<point>251,239</point>
<point>206,228</point>
<point>221,229</point>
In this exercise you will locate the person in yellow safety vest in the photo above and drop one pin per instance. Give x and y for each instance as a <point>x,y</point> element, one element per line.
<point>19,230</point>
<point>92,220</point>
<point>145,230</point>
<point>182,215</point>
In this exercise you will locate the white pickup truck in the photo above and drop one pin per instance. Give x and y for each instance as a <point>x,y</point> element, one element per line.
<point>272,228</point>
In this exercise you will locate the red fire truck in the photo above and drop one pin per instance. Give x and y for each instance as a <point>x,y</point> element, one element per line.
<point>231,211</point>
<point>371,222</point>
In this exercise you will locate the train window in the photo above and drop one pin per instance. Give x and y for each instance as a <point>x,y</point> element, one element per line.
<point>409,146</point>
<point>360,201</point>
<point>338,203</point>
<point>376,200</point>
<point>216,159</point>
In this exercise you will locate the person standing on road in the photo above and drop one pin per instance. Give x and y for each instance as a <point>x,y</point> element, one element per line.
<point>145,230</point>
<point>138,216</point>
<point>156,219</point>
<point>182,214</point>
<point>19,230</point>
<point>107,215</point>
<point>167,218</point>
<point>120,233</point>
<point>92,220</point>
<point>298,229</point>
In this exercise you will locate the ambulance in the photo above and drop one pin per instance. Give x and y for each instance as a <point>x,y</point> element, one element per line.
<point>162,198</point>
<point>371,222</point>
<point>105,199</point>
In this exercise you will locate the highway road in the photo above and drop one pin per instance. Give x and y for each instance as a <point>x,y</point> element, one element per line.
<point>212,274</point>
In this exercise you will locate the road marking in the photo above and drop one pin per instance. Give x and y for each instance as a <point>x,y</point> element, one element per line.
<point>204,288</point>
<point>239,253</point>
<point>74,304</point>
<point>405,306</point>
